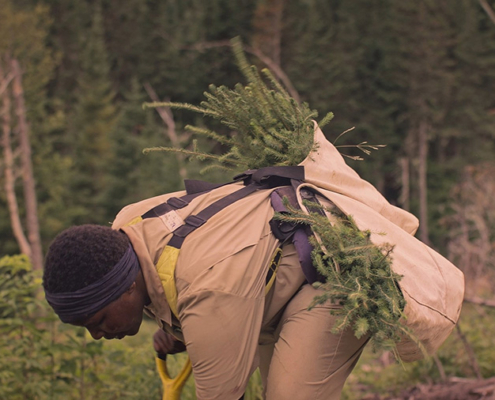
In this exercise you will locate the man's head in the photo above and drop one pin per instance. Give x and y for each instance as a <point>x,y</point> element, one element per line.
<point>92,278</point>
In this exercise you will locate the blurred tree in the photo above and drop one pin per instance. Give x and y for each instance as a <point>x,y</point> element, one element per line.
<point>386,67</point>
<point>319,53</point>
<point>470,228</point>
<point>93,119</point>
<point>488,9</point>
<point>8,163</point>
<point>126,36</point>
<point>398,71</point>
<point>26,67</point>
<point>425,73</point>
<point>70,20</point>
<point>267,28</point>
<point>445,103</point>
<point>341,58</point>
<point>131,175</point>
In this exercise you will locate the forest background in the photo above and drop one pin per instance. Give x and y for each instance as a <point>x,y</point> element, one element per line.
<point>418,76</point>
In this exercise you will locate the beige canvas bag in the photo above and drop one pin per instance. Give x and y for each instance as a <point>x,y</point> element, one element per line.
<point>432,286</point>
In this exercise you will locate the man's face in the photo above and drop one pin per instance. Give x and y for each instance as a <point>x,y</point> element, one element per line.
<point>120,318</point>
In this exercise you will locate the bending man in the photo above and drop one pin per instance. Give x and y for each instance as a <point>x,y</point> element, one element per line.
<point>218,297</point>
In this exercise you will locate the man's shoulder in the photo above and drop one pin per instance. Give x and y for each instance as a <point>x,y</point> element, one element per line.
<point>132,211</point>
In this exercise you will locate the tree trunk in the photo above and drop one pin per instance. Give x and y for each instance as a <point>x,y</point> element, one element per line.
<point>473,361</point>
<point>404,198</point>
<point>167,117</point>
<point>8,159</point>
<point>489,11</point>
<point>267,26</point>
<point>422,181</point>
<point>32,224</point>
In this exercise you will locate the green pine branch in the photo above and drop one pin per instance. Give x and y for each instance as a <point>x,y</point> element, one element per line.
<point>268,127</point>
<point>358,276</point>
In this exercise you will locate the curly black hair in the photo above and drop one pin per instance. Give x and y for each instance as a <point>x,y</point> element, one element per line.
<point>81,255</point>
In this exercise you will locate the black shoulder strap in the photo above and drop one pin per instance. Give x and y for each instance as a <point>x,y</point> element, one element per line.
<point>195,186</point>
<point>263,178</point>
<point>272,176</point>
<point>193,222</point>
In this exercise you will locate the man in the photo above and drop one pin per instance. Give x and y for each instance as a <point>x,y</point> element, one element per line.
<point>216,299</point>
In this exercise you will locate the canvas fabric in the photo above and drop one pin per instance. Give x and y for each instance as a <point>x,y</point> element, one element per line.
<point>432,286</point>
<point>224,316</point>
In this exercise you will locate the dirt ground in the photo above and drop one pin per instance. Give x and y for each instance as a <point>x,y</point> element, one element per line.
<point>454,389</point>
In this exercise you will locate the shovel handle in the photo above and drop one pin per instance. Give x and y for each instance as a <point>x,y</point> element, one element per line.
<point>172,388</point>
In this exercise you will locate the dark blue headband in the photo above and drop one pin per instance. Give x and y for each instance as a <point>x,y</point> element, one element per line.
<point>81,304</point>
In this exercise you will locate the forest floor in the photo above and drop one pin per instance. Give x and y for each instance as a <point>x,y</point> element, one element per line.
<point>453,389</point>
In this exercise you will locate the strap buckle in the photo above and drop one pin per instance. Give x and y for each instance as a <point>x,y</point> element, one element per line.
<point>195,221</point>
<point>177,202</point>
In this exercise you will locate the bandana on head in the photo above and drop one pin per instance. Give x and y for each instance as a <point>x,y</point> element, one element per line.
<point>81,304</point>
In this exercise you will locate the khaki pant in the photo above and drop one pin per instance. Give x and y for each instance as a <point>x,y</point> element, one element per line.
<point>308,362</point>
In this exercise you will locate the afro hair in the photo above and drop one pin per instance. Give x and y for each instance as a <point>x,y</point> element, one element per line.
<point>81,255</point>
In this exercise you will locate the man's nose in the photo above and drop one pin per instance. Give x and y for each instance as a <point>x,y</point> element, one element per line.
<point>96,333</point>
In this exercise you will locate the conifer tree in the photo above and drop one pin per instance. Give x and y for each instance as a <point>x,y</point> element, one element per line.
<point>352,78</point>
<point>26,65</point>
<point>330,28</point>
<point>123,156</point>
<point>434,64</point>
<point>132,176</point>
<point>94,119</point>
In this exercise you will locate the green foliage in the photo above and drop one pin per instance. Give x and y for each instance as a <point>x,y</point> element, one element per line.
<point>24,36</point>
<point>41,358</point>
<point>358,276</point>
<point>269,127</point>
<point>25,361</point>
<point>94,117</point>
<point>378,374</point>
<point>130,175</point>
<point>17,286</point>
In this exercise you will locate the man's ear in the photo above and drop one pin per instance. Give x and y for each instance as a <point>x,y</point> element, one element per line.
<point>131,288</point>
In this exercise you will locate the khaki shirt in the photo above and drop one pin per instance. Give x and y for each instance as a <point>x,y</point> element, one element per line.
<point>223,312</point>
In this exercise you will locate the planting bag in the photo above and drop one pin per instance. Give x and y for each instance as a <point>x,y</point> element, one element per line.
<point>432,286</point>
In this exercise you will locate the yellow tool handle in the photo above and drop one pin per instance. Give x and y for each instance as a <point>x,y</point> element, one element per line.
<point>172,388</point>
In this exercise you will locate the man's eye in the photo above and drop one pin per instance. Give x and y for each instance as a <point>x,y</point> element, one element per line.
<point>94,325</point>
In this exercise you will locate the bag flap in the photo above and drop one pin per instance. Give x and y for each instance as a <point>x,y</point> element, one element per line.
<point>326,168</point>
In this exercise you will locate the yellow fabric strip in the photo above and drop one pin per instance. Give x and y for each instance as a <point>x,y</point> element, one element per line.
<point>134,221</point>
<point>166,271</point>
